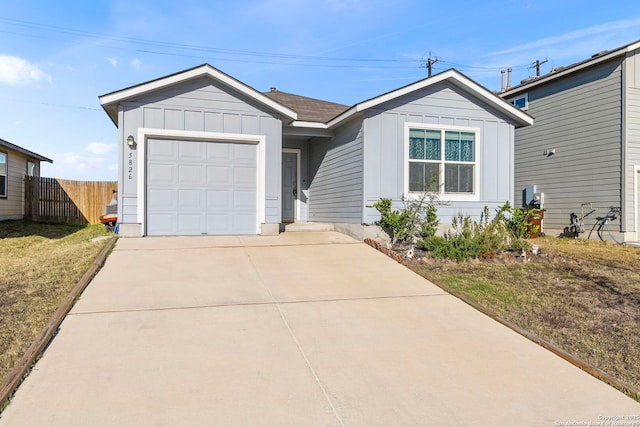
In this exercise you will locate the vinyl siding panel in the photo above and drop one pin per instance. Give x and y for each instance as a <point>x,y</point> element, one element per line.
<point>632,128</point>
<point>200,105</point>
<point>580,117</point>
<point>335,174</point>
<point>440,105</point>
<point>12,207</point>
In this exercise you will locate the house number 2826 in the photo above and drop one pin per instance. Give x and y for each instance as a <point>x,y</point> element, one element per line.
<point>130,165</point>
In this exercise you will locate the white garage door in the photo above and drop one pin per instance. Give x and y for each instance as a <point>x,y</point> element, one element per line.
<point>196,187</point>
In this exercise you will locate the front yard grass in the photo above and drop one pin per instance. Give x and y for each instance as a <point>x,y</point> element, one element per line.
<point>39,265</point>
<point>582,296</point>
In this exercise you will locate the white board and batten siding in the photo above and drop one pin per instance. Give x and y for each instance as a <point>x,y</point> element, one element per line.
<point>203,108</point>
<point>439,105</point>
<point>578,117</point>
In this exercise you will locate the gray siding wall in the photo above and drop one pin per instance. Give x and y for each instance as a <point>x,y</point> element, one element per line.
<point>335,175</point>
<point>438,105</point>
<point>632,138</point>
<point>579,117</point>
<point>199,105</point>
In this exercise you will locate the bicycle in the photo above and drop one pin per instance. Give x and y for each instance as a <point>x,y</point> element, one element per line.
<point>577,223</point>
<point>602,224</point>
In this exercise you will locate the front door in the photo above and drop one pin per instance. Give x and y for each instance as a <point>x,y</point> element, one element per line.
<point>289,186</point>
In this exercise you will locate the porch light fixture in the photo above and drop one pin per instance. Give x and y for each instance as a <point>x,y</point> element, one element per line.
<point>130,141</point>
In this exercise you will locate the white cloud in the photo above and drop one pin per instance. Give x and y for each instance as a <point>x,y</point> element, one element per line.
<point>100,148</point>
<point>113,62</point>
<point>16,71</point>
<point>96,155</point>
<point>562,40</point>
<point>136,64</point>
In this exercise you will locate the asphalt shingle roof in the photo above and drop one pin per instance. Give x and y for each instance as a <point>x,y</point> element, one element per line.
<point>308,109</point>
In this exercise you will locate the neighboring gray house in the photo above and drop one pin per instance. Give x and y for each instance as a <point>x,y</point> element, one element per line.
<point>16,163</point>
<point>585,145</point>
<point>208,154</point>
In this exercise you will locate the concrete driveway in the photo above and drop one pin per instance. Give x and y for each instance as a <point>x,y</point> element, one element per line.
<point>301,329</point>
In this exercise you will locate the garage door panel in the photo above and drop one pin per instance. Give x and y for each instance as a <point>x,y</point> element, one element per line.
<point>219,200</point>
<point>220,152</point>
<point>219,224</point>
<point>244,177</point>
<point>161,224</point>
<point>197,187</point>
<point>162,200</point>
<point>244,223</point>
<point>161,174</point>
<point>244,154</point>
<point>190,150</point>
<point>219,176</point>
<point>244,201</point>
<point>190,174</point>
<point>190,200</point>
<point>190,223</point>
<point>161,149</point>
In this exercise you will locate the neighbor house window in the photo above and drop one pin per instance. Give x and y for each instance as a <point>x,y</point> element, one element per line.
<point>4,170</point>
<point>521,101</point>
<point>31,168</point>
<point>442,161</point>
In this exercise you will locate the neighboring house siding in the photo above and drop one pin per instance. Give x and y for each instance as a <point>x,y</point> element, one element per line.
<point>632,127</point>
<point>200,105</point>
<point>579,117</point>
<point>335,175</point>
<point>440,105</point>
<point>12,207</point>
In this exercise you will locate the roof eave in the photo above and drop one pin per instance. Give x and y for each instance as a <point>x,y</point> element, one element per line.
<point>519,117</point>
<point>24,151</point>
<point>571,69</point>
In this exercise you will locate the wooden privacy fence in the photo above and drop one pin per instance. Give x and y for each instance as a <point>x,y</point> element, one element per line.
<point>66,202</point>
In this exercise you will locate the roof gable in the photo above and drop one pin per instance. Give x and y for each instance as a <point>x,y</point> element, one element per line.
<point>24,151</point>
<point>111,100</point>
<point>452,76</point>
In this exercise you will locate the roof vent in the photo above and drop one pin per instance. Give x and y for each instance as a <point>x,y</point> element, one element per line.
<point>273,89</point>
<point>599,54</point>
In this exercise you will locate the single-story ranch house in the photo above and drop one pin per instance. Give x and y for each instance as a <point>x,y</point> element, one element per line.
<point>203,153</point>
<point>16,163</point>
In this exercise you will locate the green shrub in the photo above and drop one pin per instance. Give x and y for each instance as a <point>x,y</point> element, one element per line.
<point>467,239</point>
<point>417,220</point>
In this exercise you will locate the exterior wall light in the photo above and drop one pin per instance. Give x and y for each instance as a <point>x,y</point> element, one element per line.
<point>130,141</point>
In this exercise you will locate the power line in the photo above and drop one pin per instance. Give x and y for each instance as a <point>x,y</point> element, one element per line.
<point>188,47</point>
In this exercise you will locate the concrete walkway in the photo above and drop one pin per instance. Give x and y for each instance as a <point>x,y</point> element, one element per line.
<point>301,329</point>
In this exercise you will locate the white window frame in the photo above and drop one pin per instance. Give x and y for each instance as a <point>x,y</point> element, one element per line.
<point>475,195</point>
<point>513,100</point>
<point>31,168</point>
<point>4,191</point>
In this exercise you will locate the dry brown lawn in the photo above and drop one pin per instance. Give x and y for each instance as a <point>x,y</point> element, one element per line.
<point>582,296</point>
<point>39,265</point>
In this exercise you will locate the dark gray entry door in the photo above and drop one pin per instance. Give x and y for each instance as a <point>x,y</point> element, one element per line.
<point>196,187</point>
<point>289,186</point>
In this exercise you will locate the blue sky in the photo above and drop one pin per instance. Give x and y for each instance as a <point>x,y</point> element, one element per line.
<point>56,58</point>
